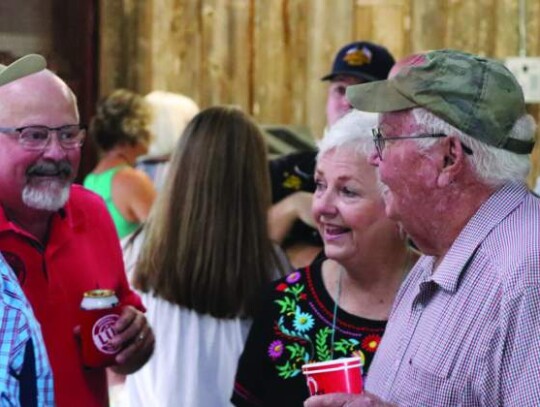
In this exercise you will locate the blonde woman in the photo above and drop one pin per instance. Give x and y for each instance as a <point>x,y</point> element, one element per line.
<point>171,112</point>
<point>120,128</point>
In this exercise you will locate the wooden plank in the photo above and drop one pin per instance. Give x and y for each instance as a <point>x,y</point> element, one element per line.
<point>269,62</point>
<point>268,56</point>
<point>428,24</point>
<point>330,25</point>
<point>391,28</point>
<point>297,43</point>
<point>111,21</point>
<point>175,47</point>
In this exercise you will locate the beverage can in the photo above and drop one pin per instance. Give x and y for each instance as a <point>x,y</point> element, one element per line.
<point>100,310</point>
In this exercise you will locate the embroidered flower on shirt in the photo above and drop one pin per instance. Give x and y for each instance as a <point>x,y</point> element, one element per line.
<point>275,350</point>
<point>293,277</point>
<point>282,287</point>
<point>300,336</point>
<point>371,343</point>
<point>303,321</point>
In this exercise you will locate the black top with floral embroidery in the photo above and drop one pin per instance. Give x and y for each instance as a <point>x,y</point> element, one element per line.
<point>294,327</point>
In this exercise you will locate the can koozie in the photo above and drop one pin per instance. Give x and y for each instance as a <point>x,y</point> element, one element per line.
<point>99,312</point>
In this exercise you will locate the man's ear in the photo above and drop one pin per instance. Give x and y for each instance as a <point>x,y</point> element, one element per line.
<point>453,161</point>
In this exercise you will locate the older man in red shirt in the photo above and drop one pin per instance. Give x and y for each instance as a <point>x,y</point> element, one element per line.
<point>57,237</point>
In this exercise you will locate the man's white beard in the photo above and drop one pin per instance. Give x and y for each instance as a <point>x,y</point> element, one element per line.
<point>46,195</point>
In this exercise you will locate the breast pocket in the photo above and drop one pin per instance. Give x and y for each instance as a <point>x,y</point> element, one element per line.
<point>429,386</point>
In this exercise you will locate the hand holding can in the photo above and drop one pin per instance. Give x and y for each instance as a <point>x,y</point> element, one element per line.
<point>100,310</point>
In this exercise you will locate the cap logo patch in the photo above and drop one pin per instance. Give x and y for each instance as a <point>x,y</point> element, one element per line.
<point>358,57</point>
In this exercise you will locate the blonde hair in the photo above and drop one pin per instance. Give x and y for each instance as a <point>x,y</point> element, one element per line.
<point>171,114</point>
<point>206,246</point>
<point>122,117</point>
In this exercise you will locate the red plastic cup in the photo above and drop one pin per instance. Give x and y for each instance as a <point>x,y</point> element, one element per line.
<point>334,376</point>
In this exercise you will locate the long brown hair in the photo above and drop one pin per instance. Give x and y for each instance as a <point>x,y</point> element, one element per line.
<point>206,244</point>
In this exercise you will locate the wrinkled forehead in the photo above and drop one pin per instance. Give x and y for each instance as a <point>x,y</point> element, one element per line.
<point>400,123</point>
<point>408,61</point>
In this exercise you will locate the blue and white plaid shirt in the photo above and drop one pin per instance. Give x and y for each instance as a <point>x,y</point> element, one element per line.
<point>469,334</point>
<point>18,329</point>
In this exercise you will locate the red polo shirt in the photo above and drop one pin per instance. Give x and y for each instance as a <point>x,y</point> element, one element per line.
<point>82,253</point>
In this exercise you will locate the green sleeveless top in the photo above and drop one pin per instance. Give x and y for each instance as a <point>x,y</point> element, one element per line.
<point>101,184</point>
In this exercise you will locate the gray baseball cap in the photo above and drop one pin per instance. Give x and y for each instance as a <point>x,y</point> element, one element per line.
<point>479,96</point>
<point>23,66</point>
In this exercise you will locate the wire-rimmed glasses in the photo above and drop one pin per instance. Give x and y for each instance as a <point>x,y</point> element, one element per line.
<point>37,138</point>
<point>379,139</point>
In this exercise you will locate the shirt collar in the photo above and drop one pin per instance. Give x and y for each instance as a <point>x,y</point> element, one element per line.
<point>68,216</point>
<point>498,206</point>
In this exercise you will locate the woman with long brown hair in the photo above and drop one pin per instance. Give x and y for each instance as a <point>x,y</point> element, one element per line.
<point>203,261</point>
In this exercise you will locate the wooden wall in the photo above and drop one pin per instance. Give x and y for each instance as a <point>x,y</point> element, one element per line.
<point>267,55</point>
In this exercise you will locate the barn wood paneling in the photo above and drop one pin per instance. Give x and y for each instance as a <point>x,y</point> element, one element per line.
<point>268,56</point>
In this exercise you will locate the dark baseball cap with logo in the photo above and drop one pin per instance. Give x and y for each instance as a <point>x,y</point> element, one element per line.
<point>23,66</point>
<point>363,60</point>
<point>477,95</point>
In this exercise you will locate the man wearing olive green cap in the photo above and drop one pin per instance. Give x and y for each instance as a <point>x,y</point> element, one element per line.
<point>452,149</point>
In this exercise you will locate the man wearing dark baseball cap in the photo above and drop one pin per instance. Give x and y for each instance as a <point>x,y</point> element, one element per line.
<point>357,62</point>
<point>292,175</point>
<point>452,149</point>
<point>363,60</point>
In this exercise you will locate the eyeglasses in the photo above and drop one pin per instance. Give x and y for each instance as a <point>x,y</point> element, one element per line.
<point>37,138</point>
<point>380,140</point>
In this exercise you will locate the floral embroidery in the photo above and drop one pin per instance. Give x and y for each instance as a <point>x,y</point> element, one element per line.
<point>293,277</point>
<point>322,345</point>
<point>303,321</point>
<point>275,350</point>
<point>371,343</point>
<point>281,287</point>
<point>346,346</point>
<point>301,336</point>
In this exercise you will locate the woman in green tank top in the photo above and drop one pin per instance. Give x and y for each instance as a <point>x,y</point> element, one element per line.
<point>120,129</point>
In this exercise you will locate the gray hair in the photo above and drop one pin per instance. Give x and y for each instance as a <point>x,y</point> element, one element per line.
<point>351,131</point>
<point>493,165</point>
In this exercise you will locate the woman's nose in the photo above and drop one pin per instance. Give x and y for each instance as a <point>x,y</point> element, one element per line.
<point>323,204</point>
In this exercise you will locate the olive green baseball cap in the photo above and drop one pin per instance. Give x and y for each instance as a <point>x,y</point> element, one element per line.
<point>23,66</point>
<point>478,96</point>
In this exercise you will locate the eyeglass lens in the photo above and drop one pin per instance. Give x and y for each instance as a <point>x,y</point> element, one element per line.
<point>38,137</point>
